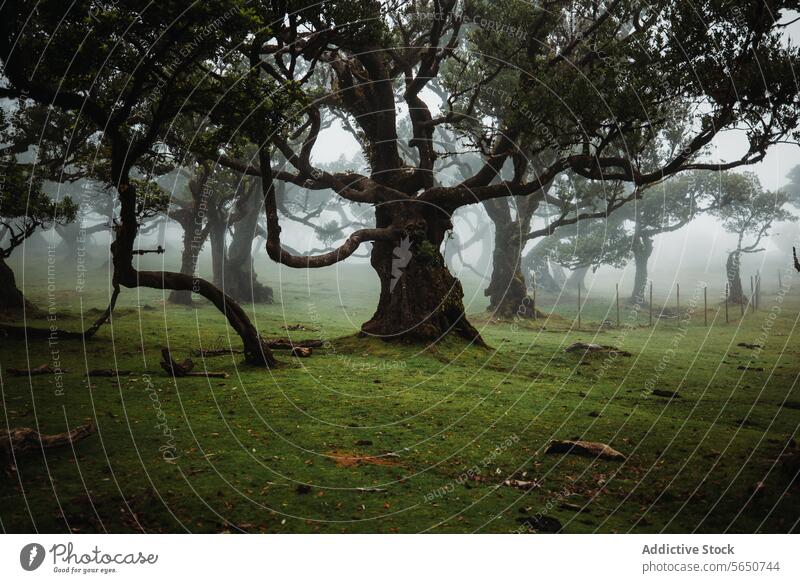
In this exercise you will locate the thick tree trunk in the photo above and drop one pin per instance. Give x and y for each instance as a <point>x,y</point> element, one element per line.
<point>642,249</point>
<point>11,298</point>
<point>217,238</point>
<point>577,278</point>
<point>732,268</point>
<point>192,244</point>
<point>420,300</point>
<point>240,277</point>
<point>507,291</point>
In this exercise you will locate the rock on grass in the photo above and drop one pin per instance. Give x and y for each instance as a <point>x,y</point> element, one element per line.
<point>588,348</point>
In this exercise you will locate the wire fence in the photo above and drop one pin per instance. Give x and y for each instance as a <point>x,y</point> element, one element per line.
<point>695,307</point>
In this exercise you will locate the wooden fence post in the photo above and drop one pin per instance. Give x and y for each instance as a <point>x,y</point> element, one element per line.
<point>579,305</point>
<point>617,305</point>
<point>679,301</point>
<point>651,303</point>
<point>705,306</point>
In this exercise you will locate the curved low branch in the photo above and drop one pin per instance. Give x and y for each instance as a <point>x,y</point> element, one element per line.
<point>279,254</point>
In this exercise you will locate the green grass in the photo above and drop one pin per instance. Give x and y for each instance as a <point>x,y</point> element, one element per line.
<point>248,446</point>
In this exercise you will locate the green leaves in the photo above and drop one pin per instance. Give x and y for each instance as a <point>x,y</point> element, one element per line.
<point>25,207</point>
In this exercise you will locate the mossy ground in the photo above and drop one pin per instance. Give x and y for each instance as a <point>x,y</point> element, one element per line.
<point>271,451</point>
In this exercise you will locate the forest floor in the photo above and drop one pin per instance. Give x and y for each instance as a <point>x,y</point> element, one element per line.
<point>368,436</point>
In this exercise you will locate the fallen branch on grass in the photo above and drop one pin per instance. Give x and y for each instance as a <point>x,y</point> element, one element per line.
<point>184,369</point>
<point>521,484</point>
<point>21,439</point>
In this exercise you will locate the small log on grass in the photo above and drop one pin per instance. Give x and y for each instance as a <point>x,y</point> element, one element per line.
<point>589,449</point>
<point>21,439</point>
<point>184,369</point>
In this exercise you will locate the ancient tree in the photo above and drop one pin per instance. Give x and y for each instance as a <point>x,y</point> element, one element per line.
<point>749,214</point>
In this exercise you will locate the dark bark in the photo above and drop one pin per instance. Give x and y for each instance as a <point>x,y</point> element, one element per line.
<point>189,254</point>
<point>507,291</point>
<point>191,216</point>
<point>420,300</point>
<point>11,298</point>
<point>642,250</point>
<point>732,268</point>
<point>240,277</point>
<point>217,232</point>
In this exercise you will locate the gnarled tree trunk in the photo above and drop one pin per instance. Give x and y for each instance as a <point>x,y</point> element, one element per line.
<point>420,300</point>
<point>732,268</point>
<point>193,240</point>
<point>642,249</point>
<point>240,277</point>
<point>507,291</point>
<point>217,233</point>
